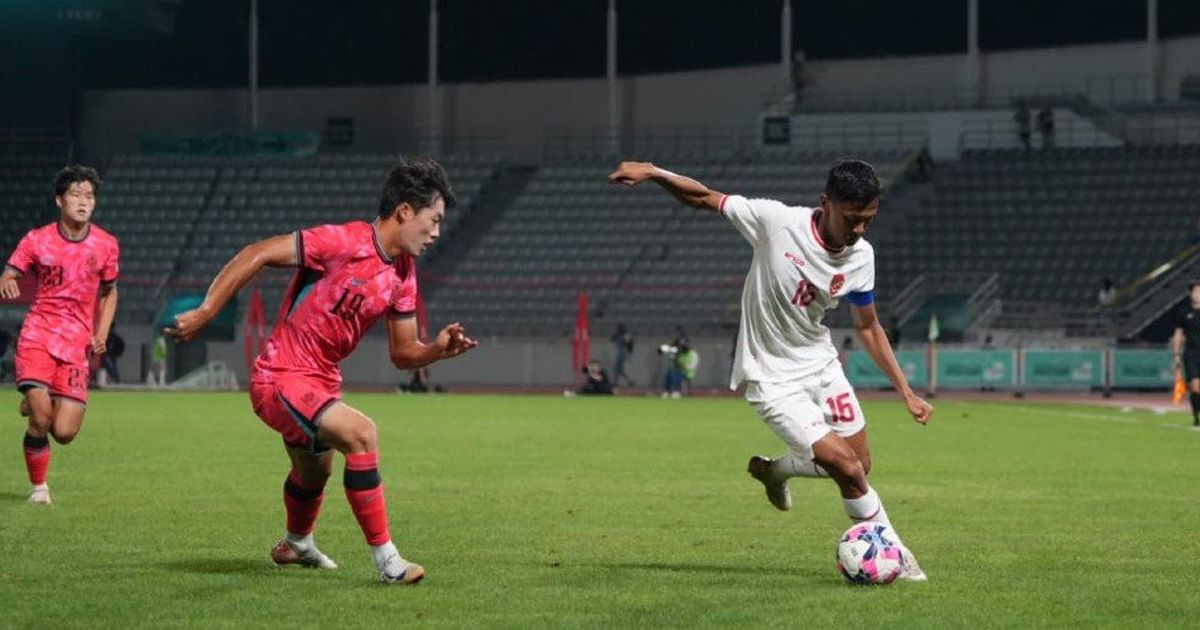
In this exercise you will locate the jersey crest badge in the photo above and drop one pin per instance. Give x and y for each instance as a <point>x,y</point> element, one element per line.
<point>836,284</point>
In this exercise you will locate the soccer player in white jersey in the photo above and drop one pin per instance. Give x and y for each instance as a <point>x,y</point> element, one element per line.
<point>805,259</point>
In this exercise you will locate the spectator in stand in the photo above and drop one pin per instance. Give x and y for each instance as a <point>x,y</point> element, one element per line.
<point>1045,125</point>
<point>1024,128</point>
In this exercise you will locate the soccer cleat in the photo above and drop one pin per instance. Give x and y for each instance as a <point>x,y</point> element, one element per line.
<point>911,571</point>
<point>778,494</point>
<point>40,495</point>
<point>397,570</point>
<point>285,553</point>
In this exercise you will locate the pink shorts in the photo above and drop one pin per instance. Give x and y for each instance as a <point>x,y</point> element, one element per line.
<point>38,368</point>
<point>293,406</point>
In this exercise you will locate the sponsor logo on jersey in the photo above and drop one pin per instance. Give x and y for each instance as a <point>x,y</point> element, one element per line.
<point>357,282</point>
<point>798,261</point>
<point>836,284</point>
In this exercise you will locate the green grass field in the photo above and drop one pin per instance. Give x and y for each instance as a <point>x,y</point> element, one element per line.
<point>541,511</point>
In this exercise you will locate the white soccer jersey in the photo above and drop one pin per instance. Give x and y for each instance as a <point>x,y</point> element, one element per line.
<point>792,281</point>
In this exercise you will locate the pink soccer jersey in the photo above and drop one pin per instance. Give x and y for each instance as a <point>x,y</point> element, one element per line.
<point>344,284</point>
<point>69,273</point>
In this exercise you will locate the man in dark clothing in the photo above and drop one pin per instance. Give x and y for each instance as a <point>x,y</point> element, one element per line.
<point>1187,349</point>
<point>597,380</point>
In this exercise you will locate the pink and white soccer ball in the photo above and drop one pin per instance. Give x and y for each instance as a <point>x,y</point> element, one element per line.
<point>869,553</point>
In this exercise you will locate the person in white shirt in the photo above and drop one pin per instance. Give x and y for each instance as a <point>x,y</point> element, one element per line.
<point>805,259</point>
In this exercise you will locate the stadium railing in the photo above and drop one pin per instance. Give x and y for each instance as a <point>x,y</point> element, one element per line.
<point>707,143</point>
<point>1112,90</point>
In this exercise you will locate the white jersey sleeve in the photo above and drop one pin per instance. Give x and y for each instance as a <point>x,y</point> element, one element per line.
<point>862,292</point>
<point>754,218</point>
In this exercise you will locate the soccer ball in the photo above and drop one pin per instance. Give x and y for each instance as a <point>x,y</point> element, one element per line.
<point>869,553</point>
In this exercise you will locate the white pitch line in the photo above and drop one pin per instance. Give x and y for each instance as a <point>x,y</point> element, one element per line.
<point>1069,414</point>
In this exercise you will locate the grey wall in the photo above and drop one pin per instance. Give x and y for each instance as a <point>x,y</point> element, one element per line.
<point>522,114</point>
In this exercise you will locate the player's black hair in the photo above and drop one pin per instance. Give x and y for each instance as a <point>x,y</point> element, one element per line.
<point>853,182</point>
<point>75,173</point>
<point>418,181</point>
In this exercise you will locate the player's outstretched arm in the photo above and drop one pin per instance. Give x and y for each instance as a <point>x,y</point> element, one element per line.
<point>685,189</point>
<point>277,251</point>
<point>874,338</point>
<point>9,289</point>
<point>407,352</point>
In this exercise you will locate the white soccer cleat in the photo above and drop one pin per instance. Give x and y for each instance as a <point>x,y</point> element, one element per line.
<point>40,495</point>
<point>397,570</point>
<point>286,553</point>
<point>778,494</point>
<point>911,571</point>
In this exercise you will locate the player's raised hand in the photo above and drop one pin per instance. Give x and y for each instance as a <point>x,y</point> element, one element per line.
<point>453,341</point>
<point>9,290</point>
<point>188,324</point>
<point>920,410</point>
<point>99,346</point>
<point>631,173</point>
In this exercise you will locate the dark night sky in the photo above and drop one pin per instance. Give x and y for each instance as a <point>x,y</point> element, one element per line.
<point>373,42</point>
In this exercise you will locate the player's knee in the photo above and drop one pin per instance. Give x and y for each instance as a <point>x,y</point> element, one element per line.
<point>866,464</point>
<point>363,438</point>
<point>848,467</point>
<point>64,436</point>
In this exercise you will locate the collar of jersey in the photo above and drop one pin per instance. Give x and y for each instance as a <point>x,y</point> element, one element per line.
<point>817,236</point>
<point>87,231</point>
<point>379,248</point>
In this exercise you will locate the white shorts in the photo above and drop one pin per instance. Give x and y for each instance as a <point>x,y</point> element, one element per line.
<point>804,411</point>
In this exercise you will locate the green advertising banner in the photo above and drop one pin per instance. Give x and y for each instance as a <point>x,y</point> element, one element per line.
<point>1063,369</point>
<point>1142,368</point>
<point>249,143</point>
<point>862,372</point>
<point>967,369</point>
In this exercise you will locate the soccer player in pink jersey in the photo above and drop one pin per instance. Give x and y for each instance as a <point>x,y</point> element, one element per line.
<point>348,277</point>
<point>74,260</point>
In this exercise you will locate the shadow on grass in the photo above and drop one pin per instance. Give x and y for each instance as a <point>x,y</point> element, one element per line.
<point>219,566</point>
<point>13,497</point>
<point>715,569</point>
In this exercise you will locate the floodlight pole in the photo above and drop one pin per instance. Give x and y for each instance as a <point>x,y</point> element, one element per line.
<point>253,61</point>
<point>785,42</point>
<point>974,88</point>
<point>435,109</point>
<point>614,120</point>
<point>1152,50</point>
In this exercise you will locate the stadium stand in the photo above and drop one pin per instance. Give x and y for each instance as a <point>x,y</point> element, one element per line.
<point>180,219</point>
<point>643,258</point>
<point>1052,224</point>
<point>28,160</point>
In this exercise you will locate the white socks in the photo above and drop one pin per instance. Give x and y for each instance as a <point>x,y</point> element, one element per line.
<point>792,465</point>
<point>300,542</point>
<point>381,553</point>
<point>868,507</point>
